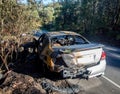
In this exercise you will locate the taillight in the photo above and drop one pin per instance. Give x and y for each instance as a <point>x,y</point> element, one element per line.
<point>103,56</point>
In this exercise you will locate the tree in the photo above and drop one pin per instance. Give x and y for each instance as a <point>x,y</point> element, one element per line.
<point>16,18</point>
<point>89,17</point>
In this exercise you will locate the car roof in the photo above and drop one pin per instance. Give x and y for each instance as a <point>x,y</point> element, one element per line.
<point>56,33</point>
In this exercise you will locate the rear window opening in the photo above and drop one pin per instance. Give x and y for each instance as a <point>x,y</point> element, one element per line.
<point>68,40</point>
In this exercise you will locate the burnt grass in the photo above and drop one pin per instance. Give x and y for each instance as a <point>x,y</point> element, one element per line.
<point>26,74</point>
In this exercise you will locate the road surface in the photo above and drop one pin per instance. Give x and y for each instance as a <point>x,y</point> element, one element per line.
<point>110,82</point>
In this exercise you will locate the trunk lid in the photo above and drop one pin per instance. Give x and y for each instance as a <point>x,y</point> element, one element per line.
<point>81,55</point>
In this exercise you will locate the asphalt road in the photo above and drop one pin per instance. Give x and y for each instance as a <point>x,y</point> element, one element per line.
<point>110,82</point>
<point>113,64</point>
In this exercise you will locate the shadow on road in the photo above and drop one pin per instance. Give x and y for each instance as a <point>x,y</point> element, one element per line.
<point>114,62</point>
<point>112,50</point>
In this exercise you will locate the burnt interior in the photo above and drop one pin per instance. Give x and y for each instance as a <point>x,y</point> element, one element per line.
<point>67,40</point>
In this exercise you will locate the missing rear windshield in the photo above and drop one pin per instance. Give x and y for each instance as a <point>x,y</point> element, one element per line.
<point>68,40</point>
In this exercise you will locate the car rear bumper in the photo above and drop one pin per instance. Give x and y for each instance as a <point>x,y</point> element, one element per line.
<point>98,69</point>
<point>73,73</point>
<point>91,71</point>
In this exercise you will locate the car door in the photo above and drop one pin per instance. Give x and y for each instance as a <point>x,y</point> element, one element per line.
<point>45,50</point>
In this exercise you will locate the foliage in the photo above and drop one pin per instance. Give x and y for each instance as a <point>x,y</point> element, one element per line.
<point>99,18</point>
<point>90,17</point>
<point>16,18</point>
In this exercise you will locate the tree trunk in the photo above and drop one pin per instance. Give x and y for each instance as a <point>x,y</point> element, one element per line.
<point>116,14</point>
<point>2,18</point>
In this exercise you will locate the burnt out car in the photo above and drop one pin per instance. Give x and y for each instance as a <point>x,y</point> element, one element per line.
<point>71,55</point>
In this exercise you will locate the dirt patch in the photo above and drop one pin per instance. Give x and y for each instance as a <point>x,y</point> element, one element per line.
<point>16,83</point>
